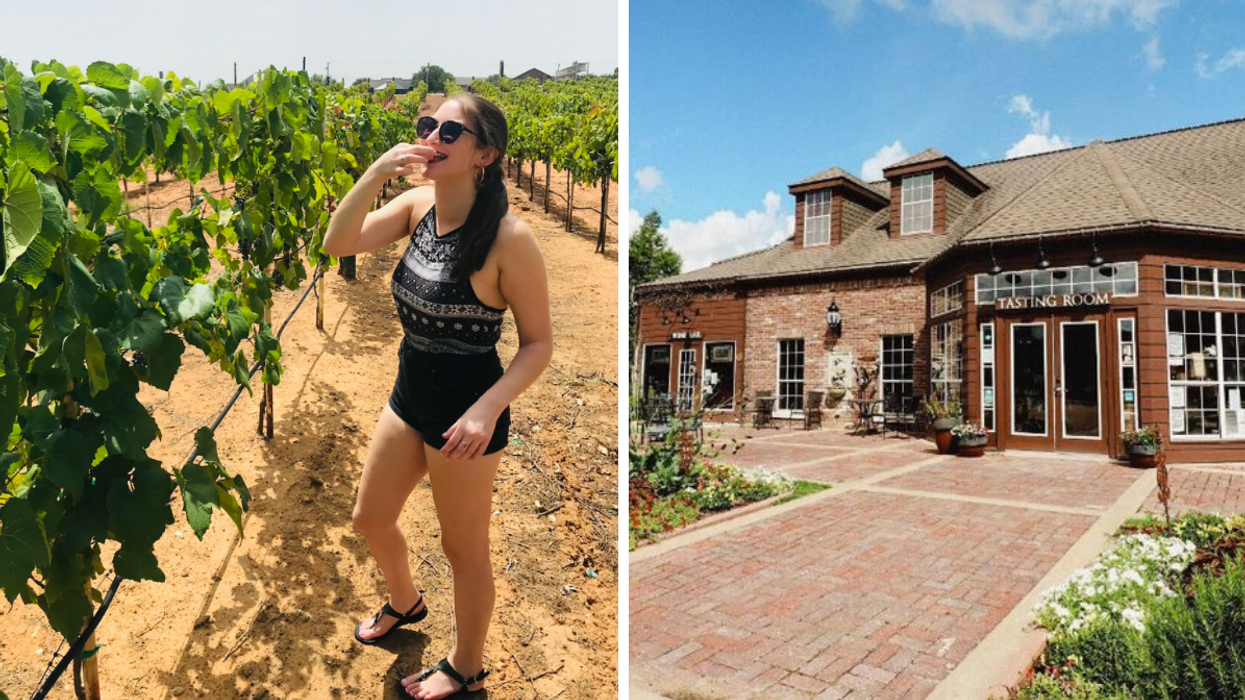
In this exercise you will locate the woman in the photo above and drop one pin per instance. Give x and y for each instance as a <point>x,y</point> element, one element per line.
<point>468,259</point>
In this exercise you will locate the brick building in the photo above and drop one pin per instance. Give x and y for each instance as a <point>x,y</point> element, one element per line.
<point>1061,298</point>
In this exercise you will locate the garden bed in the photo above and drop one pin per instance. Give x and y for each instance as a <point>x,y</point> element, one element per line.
<point>1160,615</point>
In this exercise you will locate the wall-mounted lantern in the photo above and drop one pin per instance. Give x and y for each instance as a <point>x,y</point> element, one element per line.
<point>834,319</point>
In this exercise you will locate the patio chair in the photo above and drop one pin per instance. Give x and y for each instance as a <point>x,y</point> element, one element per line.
<point>812,409</point>
<point>898,414</point>
<point>763,414</point>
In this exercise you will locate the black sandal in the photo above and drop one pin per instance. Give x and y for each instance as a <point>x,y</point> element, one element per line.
<point>408,618</point>
<point>444,667</point>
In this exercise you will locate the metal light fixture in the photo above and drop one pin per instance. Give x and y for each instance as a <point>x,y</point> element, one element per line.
<point>1095,259</point>
<point>1042,263</point>
<point>995,268</point>
<point>834,319</point>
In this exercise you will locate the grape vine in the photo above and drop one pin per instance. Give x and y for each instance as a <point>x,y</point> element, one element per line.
<point>84,286</point>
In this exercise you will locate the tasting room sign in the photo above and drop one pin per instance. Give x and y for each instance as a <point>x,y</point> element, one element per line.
<point>1053,301</point>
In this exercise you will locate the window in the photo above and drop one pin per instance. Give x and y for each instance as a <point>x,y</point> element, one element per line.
<point>1206,374</point>
<point>987,376</point>
<point>917,205</point>
<point>1119,279</point>
<point>791,375</point>
<point>897,356</point>
<point>1128,374</point>
<point>947,299</point>
<point>687,379</point>
<point>946,360</point>
<point>656,370</point>
<point>1191,281</point>
<point>718,378</point>
<point>817,218</point>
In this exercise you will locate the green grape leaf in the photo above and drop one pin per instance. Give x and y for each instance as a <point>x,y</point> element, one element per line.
<point>181,304</point>
<point>140,516</point>
<point>134,130</point>
<point>32,149</point>
<point>81,136</point>
<point>11,398</point>
<point>92,115</point>
<point>144,332</point>
<point>328,157</point>
<point>110,272</point>
<point>33,97</point>
<point>205,444</point>
<point>67,461</point>
<point>138,94</point>
<point>73,351</point>
<point>137,562</point>
<point>107,75</point>
<point>96,363</point>
<point>15,98</point>
<point>244,493</point>
<point>22,546</point>
<point>155,89</point>
<point>164,361</point>
<point>70,611</point>
<point>33,264</point>
<point>80,287</point>
<point>23,213</point>
<point>198,496</point>
<point>229,504</point>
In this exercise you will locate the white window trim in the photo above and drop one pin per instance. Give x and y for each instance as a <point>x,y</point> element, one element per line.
<point>704,363</point>
<point>1063,380</point>
<point>904,204</point>
<point>644,367</point>
<point>1136,291</point>
<point>1214,283</point>
<point>993,365</point>
<point>882,363</point>
<point>947,292</point>
<point>1219,382</point>
<point>1136,371</point>
<point>678,398</point>
<point>785,412</point>
<point>827,216</point>
<point>959,364</point>
<point>1011,356</point>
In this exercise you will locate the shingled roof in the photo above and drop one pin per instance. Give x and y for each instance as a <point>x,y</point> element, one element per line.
<point>1191,179</point>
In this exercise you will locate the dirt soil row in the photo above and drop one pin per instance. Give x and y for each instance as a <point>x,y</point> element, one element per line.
<point>271,614</point>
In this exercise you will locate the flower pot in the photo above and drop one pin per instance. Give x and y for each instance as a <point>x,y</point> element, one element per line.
<point>943,440</point>
<point>1142,456</point>
<point>834,395</point>
<point>971,447</point>
<point>945,423</point>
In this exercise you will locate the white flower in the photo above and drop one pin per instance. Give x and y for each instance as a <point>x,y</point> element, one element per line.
<point>1134,617</point>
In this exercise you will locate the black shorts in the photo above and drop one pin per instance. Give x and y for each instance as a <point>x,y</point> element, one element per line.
<point>434,390</point>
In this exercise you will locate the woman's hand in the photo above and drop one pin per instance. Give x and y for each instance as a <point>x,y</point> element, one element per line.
<point>401,160</point>
<point>469,436</point>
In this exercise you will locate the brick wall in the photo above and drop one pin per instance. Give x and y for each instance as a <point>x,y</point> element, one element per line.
<point>870,308</point>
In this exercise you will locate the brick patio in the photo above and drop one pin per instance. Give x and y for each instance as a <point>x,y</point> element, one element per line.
<point>879,587</point>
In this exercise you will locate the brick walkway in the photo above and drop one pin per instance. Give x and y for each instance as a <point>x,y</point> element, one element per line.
<point>879,587</point>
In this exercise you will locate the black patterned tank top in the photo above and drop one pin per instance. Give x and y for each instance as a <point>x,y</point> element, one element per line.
<point>439,314</point>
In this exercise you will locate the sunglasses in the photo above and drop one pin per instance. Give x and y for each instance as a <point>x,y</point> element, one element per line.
<point>450,131</point>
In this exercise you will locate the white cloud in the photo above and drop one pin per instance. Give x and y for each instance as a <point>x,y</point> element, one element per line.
<point>1039,139</point>
<point>726,233</point>
<point>634,219</point>
<point>843,10</point>
<point>648,179</point>
<point>872,168</point>
<point>1041,19</point>
<point>1230,60</point>
<point>1154,56</point>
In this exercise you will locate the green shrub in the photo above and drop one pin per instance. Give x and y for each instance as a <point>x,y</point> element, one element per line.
<point>1066,688</point>
<point>1105,651</point>
<point>1196,646</point>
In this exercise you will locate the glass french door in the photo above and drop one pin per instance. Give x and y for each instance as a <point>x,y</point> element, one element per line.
<point>1057,385</point>
<point>790,377</point>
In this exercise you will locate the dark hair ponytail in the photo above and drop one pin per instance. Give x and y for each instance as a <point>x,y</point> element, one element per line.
<point>480,229</point>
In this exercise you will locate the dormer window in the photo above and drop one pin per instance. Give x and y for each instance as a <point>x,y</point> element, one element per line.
<point>817,218</point>
<point>917,215</point>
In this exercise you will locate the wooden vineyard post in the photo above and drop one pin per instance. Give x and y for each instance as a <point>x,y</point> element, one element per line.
<point>570,200</point>
<point>605,199</point>
<point>90,667</point>
<point>191,185</point>
<point>531,193</point>
<point>265,397</point>
<point>320,296</point>
<point>547,187</point>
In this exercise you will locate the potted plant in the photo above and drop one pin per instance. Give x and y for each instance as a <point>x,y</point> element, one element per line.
<point>943,416</point>
<point>1142,446</point>
<point>970,439</point>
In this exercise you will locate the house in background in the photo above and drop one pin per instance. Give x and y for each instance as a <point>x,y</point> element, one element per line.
<point>403,85</point>
<point>1061,298</point>
<point>541,76</point>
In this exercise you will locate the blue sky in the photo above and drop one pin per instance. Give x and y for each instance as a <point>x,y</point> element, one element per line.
<point>732,101</point>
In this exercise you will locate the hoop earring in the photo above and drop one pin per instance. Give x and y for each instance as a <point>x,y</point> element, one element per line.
<point>480,177</point>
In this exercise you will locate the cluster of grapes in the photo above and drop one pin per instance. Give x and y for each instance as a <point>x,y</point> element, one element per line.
<point>138,360</point>
<point>332,203</point>
<point>278,277</point>
<point>244,248</point>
